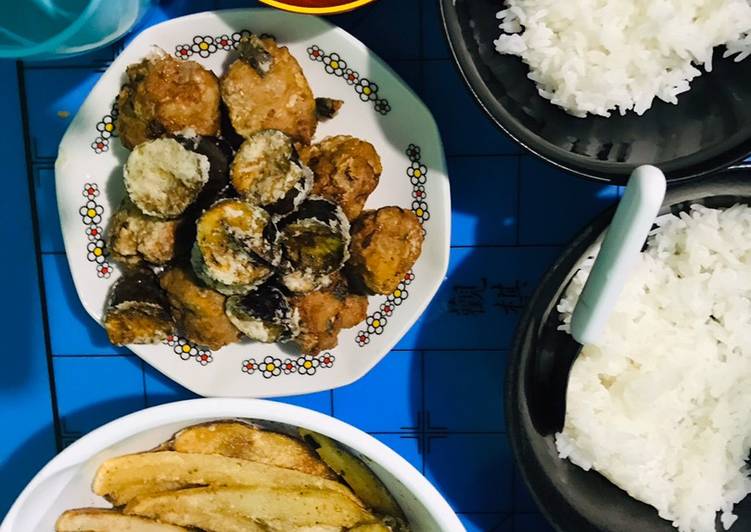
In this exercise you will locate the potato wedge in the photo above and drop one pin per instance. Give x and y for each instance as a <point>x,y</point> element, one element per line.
<point>370,527</point>
<point>252,505</point>
<point>355,473</point>
<point>241,440</point>
<point>122,478</point>
<point>101,520</point>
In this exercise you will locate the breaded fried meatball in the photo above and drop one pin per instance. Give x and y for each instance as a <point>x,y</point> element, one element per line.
<point>198,311</point>
<point>346,171</point>
<point>324,313</point>
<point>135,237</point>
<point>385,245</point>
<point>270,95</point>
<point>164,95</point>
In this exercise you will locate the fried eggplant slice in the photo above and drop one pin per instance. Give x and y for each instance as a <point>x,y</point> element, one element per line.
<point>385,245</point>
<point>264,315</point>
<point>295,507</point>
<point>135,237</point>
<point>358,476</point>
<point>166,96</point>
<point>125,477</point>
<point>327,108</point>
<point>324,313</point>
<point>267,172</point>
<point>347,171</point>
<point>137,311</point>
<point>105,520</point>
<point>219,153</point>
<point>315,244</point>
<point>198,310</point>
<point>236,247</point>
<point>279,98</point>
<point>163,178</point>
<point>242,440</point>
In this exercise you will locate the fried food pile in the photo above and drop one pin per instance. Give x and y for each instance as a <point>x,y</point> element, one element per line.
<point>235,225</point>
<point>229,476</point>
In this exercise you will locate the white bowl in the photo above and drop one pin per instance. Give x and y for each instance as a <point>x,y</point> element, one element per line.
<point>65,482</point>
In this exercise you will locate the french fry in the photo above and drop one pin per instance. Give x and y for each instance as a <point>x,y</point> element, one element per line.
<point>291,507</point>
<point>122,478</point>
<point>241,440</point>
<point>102,520</point>
<point>355,473</point>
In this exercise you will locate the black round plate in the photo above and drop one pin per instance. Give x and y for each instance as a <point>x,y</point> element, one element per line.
<point>573,499</point>
<point>708,130</point>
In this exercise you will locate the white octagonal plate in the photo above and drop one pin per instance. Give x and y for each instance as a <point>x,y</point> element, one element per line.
<point>378,107</point>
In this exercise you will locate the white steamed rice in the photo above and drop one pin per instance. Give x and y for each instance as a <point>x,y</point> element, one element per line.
<point>662,407</point>
<point>595,56</point>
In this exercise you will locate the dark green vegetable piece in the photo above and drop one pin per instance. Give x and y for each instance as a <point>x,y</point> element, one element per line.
<point>327,107</point>
<point>137,312</point>
<point>264,315</point>
<point>252,51</point>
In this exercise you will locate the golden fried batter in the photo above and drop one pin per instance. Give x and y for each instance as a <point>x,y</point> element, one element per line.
<point>198,311</point>
<point>134,237</point>
<point>385,245</point>
<point>324,313</point>
<point>167,95</point>
<point>279,99</point>
<point>346,171</point>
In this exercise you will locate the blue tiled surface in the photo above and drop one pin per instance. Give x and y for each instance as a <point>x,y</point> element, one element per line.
<point>437,399</point>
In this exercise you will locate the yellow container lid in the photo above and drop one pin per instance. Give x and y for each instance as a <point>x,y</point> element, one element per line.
<point>310,7</point>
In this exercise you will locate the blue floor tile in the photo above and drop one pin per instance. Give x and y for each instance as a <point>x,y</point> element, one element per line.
<point>531,523</point>
<point>95,59</point>
<point>386,399</point>
<point>320,402</point>
<point>160,389</point>
<point>479,304</point>
<point>557,205</point>
<point>465,128</point>
<point>484,200</point>
<point>92,391</point>
<point>391,29</point>
<point>234,4</point>
<point>464,390</point>
<point>52,106</point>
<point>472,471</point>
<point>434,41</point>
<point>72,330</point>
<point>25,402</point>
<point>523,501</point>
<point>487,522</point>
<point>50,235</point>
<point>405,445</point>
<point>409,71</point>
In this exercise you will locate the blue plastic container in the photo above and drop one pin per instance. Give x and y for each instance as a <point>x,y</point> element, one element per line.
<point>48,29</point>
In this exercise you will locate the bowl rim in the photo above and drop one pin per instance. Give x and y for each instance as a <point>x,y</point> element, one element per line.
<point>329,10</point>
<point>514,408</point>
<point>606,172</point>
<point>201,410</point>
